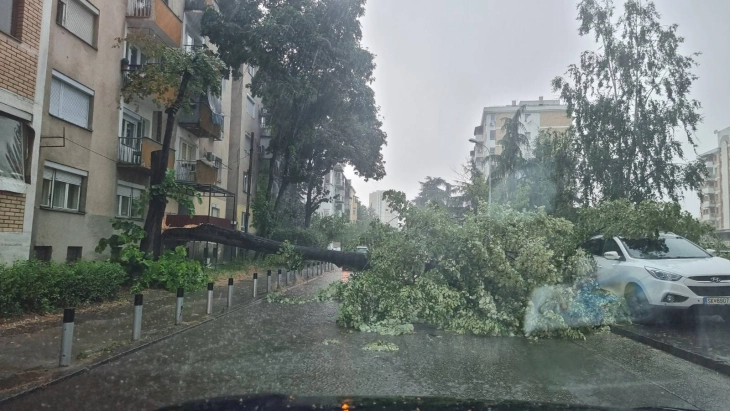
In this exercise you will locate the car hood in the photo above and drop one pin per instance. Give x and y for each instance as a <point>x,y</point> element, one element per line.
<point>692,266</point>
<point>291,403</point>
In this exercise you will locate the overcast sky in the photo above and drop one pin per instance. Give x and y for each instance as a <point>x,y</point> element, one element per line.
<point>440,62</point>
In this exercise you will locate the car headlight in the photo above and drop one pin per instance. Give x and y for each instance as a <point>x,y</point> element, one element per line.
<point>660,274</point>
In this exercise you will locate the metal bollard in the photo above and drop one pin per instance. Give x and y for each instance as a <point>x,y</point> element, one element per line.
<point>255,283</point>
<point>278,279</point>
<point>67,337</point>
<point>137,321</point>
<point>268,281</point>
<point>179,306</point>
<point>209,310</point>
<point>230,293</point>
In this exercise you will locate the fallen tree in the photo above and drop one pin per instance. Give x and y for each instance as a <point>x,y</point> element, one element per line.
<point>234,238</point>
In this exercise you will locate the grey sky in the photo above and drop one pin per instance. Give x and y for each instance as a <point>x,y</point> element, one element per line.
<point>440,62</point>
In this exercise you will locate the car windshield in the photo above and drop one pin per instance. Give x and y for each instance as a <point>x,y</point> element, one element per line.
<point>377,198</point>
<point>663,248</point>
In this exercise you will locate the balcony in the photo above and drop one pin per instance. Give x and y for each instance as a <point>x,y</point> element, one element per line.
<point>708,204</point>
<point>137,153</point>
<point>265,132</point>
<point>195,172</point>
<point>157,16</point>
<point>708,190</point>
<point>180,221</point>
<point>202,120</point>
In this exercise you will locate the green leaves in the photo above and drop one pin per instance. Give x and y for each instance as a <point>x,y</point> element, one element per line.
<point>630,100</point>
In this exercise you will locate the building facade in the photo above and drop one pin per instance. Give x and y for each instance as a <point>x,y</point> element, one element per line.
<point>382,209</point>
<point>715,205</point>
<point>96,155</point>
<point>24,37</point>
<point>539,115</point>
<point>340,194</point>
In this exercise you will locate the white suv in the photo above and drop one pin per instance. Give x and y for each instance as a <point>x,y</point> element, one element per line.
<point>667,273</point>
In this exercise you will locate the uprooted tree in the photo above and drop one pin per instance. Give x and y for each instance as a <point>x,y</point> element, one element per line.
<point>171,76</point>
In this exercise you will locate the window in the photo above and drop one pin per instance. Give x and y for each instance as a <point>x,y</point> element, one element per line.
<point>128,200</point>
<point>61,187</point>
<point>7,14</point>
<point>187,151</point>
<point>73,254</point>
<point>491,151</point>
<point>14,153</point>
<point>43,252</point>
<point>245,182</point>
<point>250,106</point>
<point>492,134</point>
<point>527,117</point>
<point>78,17</point>
<point>70,100</point>
<point>611,245</point>
<point>594,246</point>
<point>327,178</point>
<point>215,211</point>
<point>251,70</point>
<point>157,126</point>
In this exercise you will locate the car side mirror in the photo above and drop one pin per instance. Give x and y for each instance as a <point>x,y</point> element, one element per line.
<point>611,255</point>
<point>711,252</point>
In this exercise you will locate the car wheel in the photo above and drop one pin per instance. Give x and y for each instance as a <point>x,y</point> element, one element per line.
<point>639,309</point>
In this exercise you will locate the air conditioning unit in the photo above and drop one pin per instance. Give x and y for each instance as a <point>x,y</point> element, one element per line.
<point>210,157</point>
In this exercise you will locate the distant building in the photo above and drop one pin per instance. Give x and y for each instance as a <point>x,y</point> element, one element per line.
<point>539,115</point>
<point>715,205</point>
<point>354,201</point>
<point>382,209</point>
<point>338,187</point>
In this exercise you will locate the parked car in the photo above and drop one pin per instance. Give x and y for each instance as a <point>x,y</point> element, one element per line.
<point>669,274</point>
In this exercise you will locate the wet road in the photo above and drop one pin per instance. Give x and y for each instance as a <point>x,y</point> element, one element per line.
<point>280,348</point>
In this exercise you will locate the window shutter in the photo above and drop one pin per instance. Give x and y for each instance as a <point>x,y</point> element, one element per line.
<point>157,125</point>
<point>47,173</point>
<point>124,191</point>
<point>56,91</point>
<point>75,108</point>
<point>67,177</point>
<point>80,21</point>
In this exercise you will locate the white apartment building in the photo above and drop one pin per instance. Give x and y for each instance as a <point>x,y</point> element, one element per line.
<point>715,205</point>
<point>382,209</point>
<point>339,193</point>
<point>538,115</point>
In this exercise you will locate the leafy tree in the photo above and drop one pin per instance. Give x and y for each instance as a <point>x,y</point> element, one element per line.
<point>313,76</point>
<point>171,78</point>
<point>435,190</point>
<point>630,104</point>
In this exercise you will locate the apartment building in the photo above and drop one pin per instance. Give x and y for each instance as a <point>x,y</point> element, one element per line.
<point>102,153</point>
<point>24,37</point>
<point>342,198</point>
<point>539,115</point>
<point>715,205</point>
<point>382,209</point>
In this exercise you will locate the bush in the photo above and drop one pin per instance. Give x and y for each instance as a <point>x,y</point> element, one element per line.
<point>171,271</point>
<point>35,286</point>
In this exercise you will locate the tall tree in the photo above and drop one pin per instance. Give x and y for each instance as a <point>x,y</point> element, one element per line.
<point>435,190</point>
<point>312,72</point>
<point>172,77</point>
<point>631,106</point>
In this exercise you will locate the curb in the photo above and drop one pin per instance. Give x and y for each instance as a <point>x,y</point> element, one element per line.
<point>146,344</point>
<point>687,355</point>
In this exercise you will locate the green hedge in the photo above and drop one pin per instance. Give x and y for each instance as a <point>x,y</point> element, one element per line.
<point>35,286</point>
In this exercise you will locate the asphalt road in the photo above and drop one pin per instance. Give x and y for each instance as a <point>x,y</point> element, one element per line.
<point>277,348</point>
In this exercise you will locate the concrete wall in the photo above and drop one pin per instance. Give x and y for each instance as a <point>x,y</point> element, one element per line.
<point>92,149</point>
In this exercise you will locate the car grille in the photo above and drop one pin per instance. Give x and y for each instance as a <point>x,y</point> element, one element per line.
<point>721,291</point>
<point>709,278</point>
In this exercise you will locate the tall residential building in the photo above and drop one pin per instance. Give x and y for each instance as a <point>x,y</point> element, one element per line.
<point>539,115</point>
<point>351,202</point>
<point>97,151</point>
<point>24,36</point>
<point>382,209</point>
<point>715,206</point>
<point>338,187</point>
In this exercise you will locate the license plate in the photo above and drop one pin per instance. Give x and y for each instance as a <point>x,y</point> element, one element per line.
<point>717,300</point>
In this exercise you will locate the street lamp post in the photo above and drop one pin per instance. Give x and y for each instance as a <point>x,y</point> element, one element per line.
<point>489,167</point>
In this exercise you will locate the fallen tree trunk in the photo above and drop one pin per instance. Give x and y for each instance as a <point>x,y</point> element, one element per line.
<point>235,238</point>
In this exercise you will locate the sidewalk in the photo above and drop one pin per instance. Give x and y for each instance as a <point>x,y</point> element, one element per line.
<point>30,346</point>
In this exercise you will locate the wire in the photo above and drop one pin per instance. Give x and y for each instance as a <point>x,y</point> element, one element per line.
<point>87,148</point>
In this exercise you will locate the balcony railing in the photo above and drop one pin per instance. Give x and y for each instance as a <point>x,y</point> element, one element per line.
<point>157,16</point>
<point>195,172</point>
<point>202,121</point>
<point>135,151</point>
